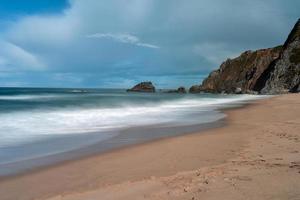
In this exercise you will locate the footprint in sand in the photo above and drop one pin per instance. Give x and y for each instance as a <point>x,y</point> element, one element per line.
<point>242,178</point>
<point>278,158</point>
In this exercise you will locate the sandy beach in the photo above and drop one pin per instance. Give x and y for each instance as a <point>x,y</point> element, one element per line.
<point>256,155</point>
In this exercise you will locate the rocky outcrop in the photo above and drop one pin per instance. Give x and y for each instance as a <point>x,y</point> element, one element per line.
<point>239,75</point>
<point>143,87</point>
<point>274,70</point>
<point>284,74</point>
<point>180,90</point>
<point>195,89</point>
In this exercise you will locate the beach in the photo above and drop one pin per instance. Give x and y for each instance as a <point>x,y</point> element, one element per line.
<point>256,155</point>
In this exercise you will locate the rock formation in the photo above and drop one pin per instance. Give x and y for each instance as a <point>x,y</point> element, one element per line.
<point>195,89</point>
<point>143,87</point>
<point>284,74</point>
<point>273,70</point>
<point>240,74</point>
<point>180,90</point>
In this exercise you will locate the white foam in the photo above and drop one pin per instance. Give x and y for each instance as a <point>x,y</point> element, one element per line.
<point>26,97</point>
<point>24,126</point>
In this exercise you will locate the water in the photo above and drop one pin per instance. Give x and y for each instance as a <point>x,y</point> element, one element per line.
<point>37,122</point>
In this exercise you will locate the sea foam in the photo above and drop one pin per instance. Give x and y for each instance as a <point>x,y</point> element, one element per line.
<point>26,126</point>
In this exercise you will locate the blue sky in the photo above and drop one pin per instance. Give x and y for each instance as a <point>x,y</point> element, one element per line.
<point>117,43</point>
<point>13,8</point>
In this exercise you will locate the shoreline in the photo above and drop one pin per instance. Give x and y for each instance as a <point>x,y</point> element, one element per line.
<point>148,163</point>
<point>125,138</point>
<point>43,163</point>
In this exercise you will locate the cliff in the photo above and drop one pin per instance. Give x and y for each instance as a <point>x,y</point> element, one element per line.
<point>274,70</point>
<point>240,73</point>
<point>284,74</point>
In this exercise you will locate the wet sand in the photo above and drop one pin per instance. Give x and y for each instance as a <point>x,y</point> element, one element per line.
<point>255,156</point>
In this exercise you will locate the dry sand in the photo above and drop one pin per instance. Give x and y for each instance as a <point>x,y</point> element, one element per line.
<point>255,156</point>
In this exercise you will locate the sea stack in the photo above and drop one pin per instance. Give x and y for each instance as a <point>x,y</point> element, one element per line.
<point>143,87</point>
<point>181,90</point>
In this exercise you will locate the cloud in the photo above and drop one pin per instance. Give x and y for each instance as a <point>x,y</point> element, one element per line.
<point>14,57</point>
<point>129,40</point>
<point>67,77</point>
<point>123,38</point>
<point>215,52</point>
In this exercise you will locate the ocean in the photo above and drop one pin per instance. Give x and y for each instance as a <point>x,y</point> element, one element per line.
<point>36,123</point>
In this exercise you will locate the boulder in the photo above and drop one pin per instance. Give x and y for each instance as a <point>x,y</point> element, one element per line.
<point>180,90</point>
<point>238,90</point>
<point>195,89</point>
<point>143,87</point>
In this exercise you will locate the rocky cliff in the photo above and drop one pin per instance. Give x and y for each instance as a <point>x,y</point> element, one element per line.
<point>284,74</point>
<point>241,73</point>
<point>273,70</point>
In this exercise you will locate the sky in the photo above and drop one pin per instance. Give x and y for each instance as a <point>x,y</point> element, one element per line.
<point>118,43</point>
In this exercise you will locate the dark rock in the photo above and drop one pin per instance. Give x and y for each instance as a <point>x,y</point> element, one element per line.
<point>295,89</point>
<point>285,72</point>
<point>195,89</point>
<point>180,90</point>
<point>143,87</point>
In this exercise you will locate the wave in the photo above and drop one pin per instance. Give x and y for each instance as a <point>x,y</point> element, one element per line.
<point>26,97</point>
<point>25,126</point>
<point>71,94</point>
<point>48,129</point>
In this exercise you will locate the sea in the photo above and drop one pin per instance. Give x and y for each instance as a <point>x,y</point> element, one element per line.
<point>40,126</point>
